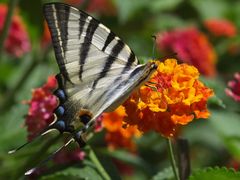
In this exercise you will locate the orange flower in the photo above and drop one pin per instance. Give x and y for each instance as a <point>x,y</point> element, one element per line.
<point>118,135</point>
<point>220,27</point>
<point>174,96</point>
<point>191,46</point>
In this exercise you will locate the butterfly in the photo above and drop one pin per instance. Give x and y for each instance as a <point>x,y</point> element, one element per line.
<point>98,71</point>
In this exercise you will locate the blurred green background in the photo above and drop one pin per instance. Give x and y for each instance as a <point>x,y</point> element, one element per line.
<point>213,142</point>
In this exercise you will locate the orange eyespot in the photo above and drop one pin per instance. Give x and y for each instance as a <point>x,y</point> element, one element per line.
<point>85,116</point>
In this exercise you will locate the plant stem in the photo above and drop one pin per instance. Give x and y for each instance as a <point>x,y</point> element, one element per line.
<point>172,158</point>
<point>11,6</point>
<point>98,165</point>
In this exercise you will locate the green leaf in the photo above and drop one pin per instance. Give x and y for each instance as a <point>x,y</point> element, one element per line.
<point>215,174</point>
<point>128,158</point>
<point>166,173</point>
<point>157,6</point>
<point>11,127</point>
<point>219,86</point>
<point>201,133</point>
<point>215,100</point>
<point>233,146</point>
<point>128,8</point>
<point>32,12</point>
<point>86,172</point>
<point>210,9</point>
<point>163,22</point>
<point>226,123</point>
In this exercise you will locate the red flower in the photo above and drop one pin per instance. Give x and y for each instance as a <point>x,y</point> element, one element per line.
<point>74,2</point>
<point>17,42</point>
<point>46,38</point>
<point>41,108</point>
<point>233,89</point>
<point>220,27</point>
<point>191,46</point>
<point>105,7</point>
<point>234,164</point>
<point>98,124</point>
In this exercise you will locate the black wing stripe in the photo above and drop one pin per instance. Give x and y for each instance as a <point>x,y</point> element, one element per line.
<point>82,21</point>
<point>131,60</point>
<point>93,25</point>
<point>57,23</point>
<point>62,20</point>
<point>109,39</point>
<point>110,60</point>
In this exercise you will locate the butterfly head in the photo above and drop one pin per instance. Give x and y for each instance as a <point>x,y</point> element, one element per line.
<point>151,67</point>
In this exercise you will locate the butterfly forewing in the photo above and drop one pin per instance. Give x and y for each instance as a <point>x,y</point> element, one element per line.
<point>78,38</point>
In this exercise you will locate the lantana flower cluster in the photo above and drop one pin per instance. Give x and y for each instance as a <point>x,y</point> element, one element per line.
<point>192,47</point>
<point>117,136</point>
<point>220,27</point>
<point>174,96</point>
<point>17,42</point>
<point>233,89</point>
<point>41,107</point>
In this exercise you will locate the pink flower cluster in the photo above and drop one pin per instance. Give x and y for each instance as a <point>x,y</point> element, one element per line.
<point>191,46</point>
<point>40,115</point>
<point>41,108</point>
<point>17,42</point>
<point>233,89</point>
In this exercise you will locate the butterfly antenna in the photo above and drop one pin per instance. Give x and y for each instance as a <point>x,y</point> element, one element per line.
<point>154,46</point>
<point>51,156</point>
<point>56,125</point>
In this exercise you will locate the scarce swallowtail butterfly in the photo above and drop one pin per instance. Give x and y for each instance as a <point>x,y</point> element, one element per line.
<point>98,71</point>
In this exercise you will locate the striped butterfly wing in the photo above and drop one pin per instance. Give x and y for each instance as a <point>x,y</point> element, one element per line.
<point>97,70</point>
